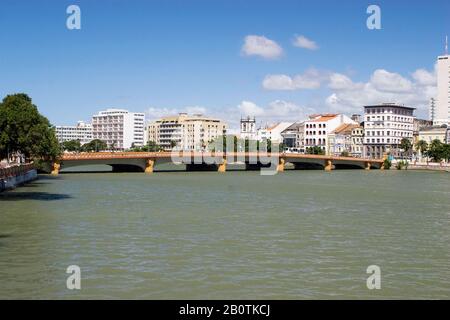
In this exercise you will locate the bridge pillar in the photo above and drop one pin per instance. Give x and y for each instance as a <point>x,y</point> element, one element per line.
<point>222,167</point>
<point>368,164</point>
<point>149,164</point>
<point>280,167</point>
<point>55,169</point>
<point>328,166</point>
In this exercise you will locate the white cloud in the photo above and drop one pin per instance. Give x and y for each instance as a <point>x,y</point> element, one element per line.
<point>303,42</point>
<point>383,86</point>
<point>424,77</point>
<point>261,46</point>
<point>249,108</point>
<point>340,82</point>
<point>275,111</point>
<point>278,82</point>
<point>153,113</point>
<point>310,79</point>
<point>386,81</point>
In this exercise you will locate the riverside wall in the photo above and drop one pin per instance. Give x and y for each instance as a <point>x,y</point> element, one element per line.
<point>16,175</point>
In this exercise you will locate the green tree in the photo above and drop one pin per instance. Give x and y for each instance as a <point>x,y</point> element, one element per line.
<point>315,150</point>
<point>436,150</point>
<point>387,163</point>
<point>422,146</point>
<point>151,146</point>
<point>72,145</point>
<point>446,152</point>
<point>25,131</point>
<point>173,144</point>
<point>406,145</point>
<point>95,145</point>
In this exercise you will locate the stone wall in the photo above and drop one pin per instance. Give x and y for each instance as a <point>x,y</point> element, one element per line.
<point>14,176</point>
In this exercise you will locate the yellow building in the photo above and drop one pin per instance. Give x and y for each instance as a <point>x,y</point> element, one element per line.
<point>185,132</point>
<point>433,133</point>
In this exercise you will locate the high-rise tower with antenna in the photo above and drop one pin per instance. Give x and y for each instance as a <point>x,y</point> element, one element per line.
<point>441,112</point>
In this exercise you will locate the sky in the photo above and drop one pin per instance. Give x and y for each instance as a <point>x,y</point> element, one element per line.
<point>275,60</point>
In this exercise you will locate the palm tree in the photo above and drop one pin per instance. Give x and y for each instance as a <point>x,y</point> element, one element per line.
<point>406,145</point>
<point>422,146</point>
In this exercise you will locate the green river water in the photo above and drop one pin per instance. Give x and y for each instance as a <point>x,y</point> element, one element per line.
<point>238,235</point>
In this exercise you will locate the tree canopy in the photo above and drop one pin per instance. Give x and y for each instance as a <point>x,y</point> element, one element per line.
<point>95,145</point>
<point>438,150</point>
<point>23,130</point>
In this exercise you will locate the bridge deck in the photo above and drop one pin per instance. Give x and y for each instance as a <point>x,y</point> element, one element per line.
<point>228,155</point>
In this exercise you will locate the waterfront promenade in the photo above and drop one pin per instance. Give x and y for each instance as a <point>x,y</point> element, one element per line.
<point>202,161</point>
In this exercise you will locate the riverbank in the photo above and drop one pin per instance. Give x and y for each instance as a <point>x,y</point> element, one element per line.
<point>429,166</point>
<point>14,176</point>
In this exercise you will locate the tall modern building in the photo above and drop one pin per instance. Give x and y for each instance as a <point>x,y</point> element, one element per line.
<point>440,109</point>
<point>185,132</point>
<point>119,128</point>
<point>81,132</point>
<point>385,125</point>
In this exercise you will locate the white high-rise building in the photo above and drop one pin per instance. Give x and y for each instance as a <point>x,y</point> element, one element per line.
<point>385,125</point>
<point>119,128</point>
<point>441,110</point>
<point>81,132</point>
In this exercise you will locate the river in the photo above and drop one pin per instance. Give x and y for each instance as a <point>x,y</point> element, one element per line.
<point>238,235</point>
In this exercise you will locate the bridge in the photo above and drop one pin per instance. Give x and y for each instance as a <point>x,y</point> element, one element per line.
<point>208,161</point>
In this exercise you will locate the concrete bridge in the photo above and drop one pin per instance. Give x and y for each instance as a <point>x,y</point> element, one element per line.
<point>208,161</point>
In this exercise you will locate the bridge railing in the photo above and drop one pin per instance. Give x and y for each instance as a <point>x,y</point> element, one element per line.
<point>141,155</point>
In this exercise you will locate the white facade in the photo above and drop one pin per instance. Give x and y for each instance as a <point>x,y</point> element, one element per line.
<point>119,128</point>
<point>318,127</point>
<point>184,132</point>
<point>248,128</point>
<point>82,132</point>
<point>273,133</point>
<point>385,126</point>
<point>441,107</point>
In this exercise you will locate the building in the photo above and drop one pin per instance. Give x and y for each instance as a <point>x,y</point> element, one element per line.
<point>357,144</point>
<point>293,136</point>
<point>273,133</point>
<point>385,125</point>
<point>120,129</point>
<point>434,133</point>
<point>344,138</point>
<point>419,124</point>
<point>81,132</point>
<point>248,128</point>
<point>432,110</point>
<point>440,109</point>
<point>185,132</point>
<point>356,117</point>
<point>319,126</point>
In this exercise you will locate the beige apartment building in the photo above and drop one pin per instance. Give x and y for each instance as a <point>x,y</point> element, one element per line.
<point>185,132</point>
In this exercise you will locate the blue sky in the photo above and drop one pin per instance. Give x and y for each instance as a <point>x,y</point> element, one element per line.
<point>166,56</point>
